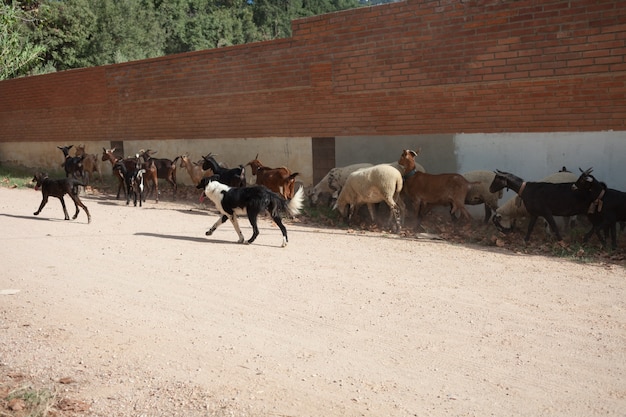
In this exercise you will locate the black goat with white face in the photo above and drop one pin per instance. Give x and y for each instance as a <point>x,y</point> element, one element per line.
<point>133,180</point>
<point>606,210</point>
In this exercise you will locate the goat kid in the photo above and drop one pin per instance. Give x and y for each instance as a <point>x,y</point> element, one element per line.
<point>605,211</point>
<point>251,201</point>
<point>543,199</point>
<point>58,188</point>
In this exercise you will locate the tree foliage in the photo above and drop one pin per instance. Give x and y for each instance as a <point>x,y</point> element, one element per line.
<point>69,34</point>
<point>17,52</point>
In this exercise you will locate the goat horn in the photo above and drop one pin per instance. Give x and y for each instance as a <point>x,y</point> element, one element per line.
<point>413,153</point>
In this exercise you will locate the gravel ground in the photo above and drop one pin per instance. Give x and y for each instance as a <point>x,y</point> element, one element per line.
<point>140,314</point>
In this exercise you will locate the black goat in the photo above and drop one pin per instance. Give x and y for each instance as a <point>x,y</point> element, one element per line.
<point>605,211</point>
<point>73,165</point>
<point>234,177</point>
<point>133,180</point>
<point>166,168</point>
<point>543,199</point>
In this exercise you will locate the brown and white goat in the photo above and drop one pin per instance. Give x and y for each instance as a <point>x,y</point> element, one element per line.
<point>280,180</point>
<point>194,169</point>
<point>90,163</point>
<point>424,189</point>
<point>166,168</point>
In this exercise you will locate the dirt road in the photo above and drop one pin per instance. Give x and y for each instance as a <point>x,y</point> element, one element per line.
<point>146,316</point>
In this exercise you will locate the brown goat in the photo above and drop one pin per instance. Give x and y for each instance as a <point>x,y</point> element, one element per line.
<point>90,163</point>
<point>433,189</point>
<point>280,180</point>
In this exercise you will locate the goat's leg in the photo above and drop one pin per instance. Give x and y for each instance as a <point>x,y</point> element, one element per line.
<point>487,214</point>
<point>554,229</point>
<point>44,201</point>
<point>590,233</point>
<point>531,225</point>
<point>217,224</point>
<point>613,230</point>
<point>121,185</point>
<point>67,216</point>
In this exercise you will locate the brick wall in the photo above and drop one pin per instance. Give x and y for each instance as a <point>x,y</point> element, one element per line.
<point>403,68</point>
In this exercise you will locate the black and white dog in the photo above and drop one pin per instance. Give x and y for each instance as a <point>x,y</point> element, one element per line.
<point>251,201</point>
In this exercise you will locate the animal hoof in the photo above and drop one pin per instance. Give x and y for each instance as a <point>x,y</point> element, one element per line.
<point>36,213</point>
<point>209,233</point>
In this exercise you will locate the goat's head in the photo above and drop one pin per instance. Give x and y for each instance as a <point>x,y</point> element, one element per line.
<point>585,181</point>
<point>107,154</point>
<point>499,182</point>
<point>210,163</point>
<point>255,164</point>
<point>65,150</point>
<point>407,159</point>
<point>80,150</point>
<point>496,221</point>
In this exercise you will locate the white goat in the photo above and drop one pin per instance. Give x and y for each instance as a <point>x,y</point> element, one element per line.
<point>333,182</point>
<point>479,193</point>
<point>514,208</point>
<point>370,186</point>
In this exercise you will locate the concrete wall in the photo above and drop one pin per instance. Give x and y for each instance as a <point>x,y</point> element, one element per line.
<point>531,156</point>
<point>294,153</point>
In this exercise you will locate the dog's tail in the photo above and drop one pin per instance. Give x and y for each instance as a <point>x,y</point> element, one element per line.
<point>295,204</point>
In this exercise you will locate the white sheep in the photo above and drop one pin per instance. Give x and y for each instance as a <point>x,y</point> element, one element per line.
<point>514,208</point>
<point>330,186</point>
<point>370,186</point>
<point>479,193</point>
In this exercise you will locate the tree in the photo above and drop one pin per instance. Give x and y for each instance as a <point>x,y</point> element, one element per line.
<point>125,31</point>
<point>67,29</point>
<point>17,53</point>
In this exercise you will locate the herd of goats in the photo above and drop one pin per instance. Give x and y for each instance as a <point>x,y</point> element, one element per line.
<point>399,185</point>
